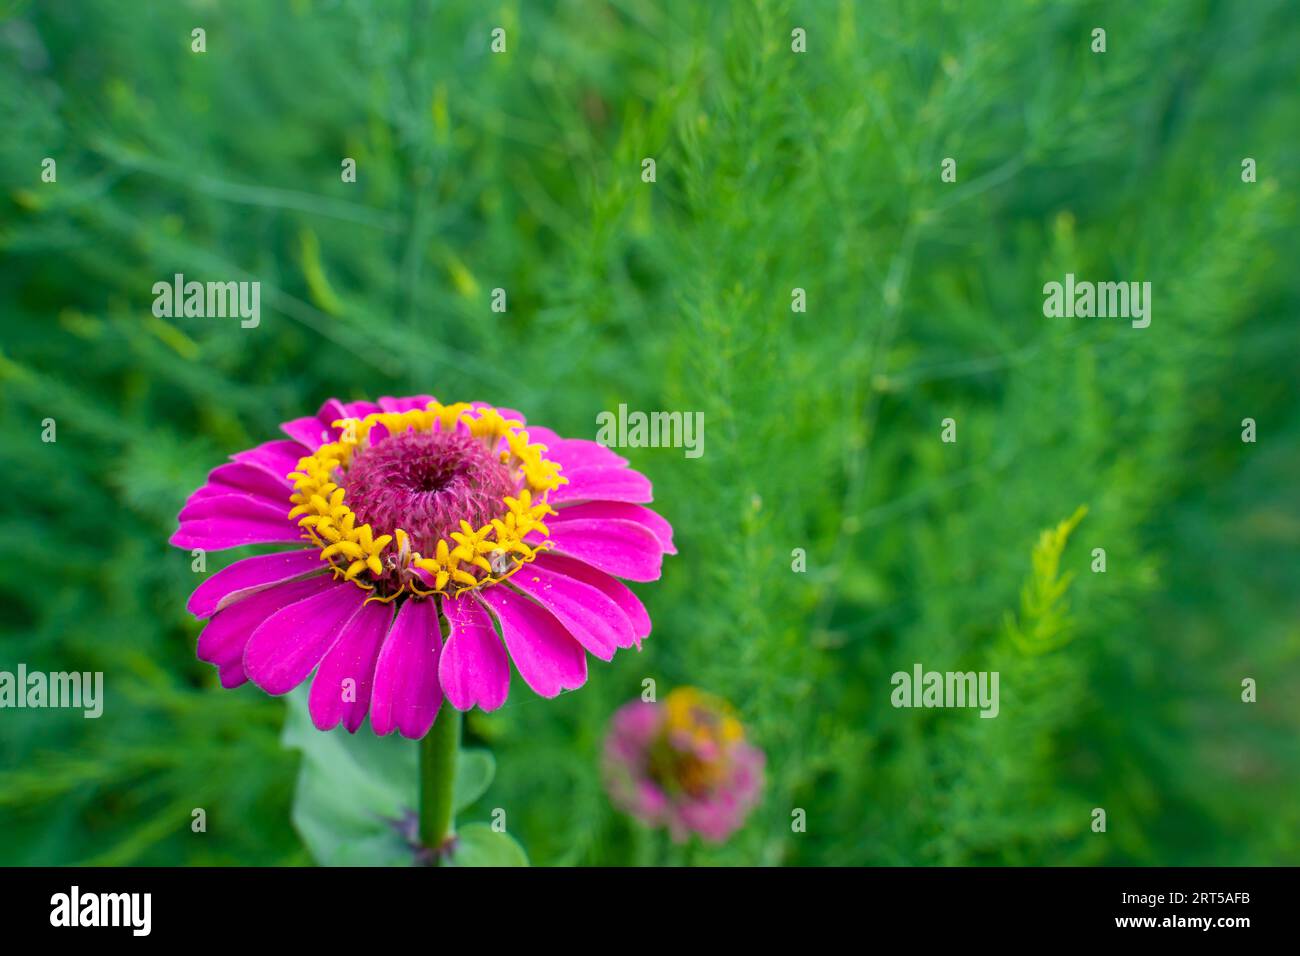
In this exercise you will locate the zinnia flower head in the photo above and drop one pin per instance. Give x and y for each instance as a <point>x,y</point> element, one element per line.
<point>426,535</point>
<point>683,764</point>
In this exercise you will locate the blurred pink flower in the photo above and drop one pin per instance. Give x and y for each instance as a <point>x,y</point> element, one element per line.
<point>683,764</point>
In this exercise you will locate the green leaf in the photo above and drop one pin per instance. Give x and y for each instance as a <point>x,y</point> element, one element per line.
<point>477,844</point>
<point>474,772</point>
<point>352,791</point>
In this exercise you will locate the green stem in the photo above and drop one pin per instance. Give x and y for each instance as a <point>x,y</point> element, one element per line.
<point>438,752</point>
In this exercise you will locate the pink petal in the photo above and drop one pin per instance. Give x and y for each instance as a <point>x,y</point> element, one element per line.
<point>232,674</point>
<point>505,413</point>
<point>352,658</point>
<point>228,521</point>
<point>330,411</point>
<point>358,410</point>
<point>593,619</point>
<point>547,657</point>
<point>285,648</point>
<point>612,588</point>
<point>276,458</point>
<point>239,580</point>
<point>406,694</point>
<point>473,667</point>
<point>621,548</point>
<point>575,453</point>
<point>390,404</point>
<point>309,432</point>
<point>233,504</point>
<point>319,429</point>
<point>216,534</point>
<point>544,435</point>
<point>241,478</point>
<point>657,524</point>
<point>603,484</point>
<point>224,638</point>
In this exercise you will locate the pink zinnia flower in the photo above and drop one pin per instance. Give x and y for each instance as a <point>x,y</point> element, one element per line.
<point>433,532</point>
<point>683,764</point>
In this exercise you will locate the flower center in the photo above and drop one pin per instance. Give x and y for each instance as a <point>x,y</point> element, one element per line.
<point>429,501</point>
<point>426,483</point>
<point>693,751</point>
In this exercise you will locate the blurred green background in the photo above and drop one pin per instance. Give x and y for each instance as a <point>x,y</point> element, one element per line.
<point>822,430</point>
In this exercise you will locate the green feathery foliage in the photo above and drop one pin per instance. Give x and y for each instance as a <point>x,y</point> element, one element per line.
<point>775,171</point>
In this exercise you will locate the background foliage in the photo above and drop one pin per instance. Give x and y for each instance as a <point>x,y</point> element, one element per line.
<point>822,429</point>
